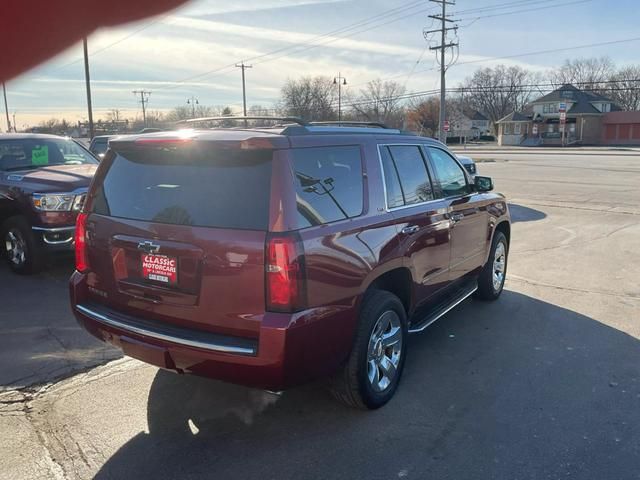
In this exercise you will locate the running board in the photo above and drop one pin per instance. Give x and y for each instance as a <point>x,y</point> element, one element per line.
<point>448,303</point>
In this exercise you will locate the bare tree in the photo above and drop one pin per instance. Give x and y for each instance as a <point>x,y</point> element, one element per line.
<point>423,116</point>
<point>625,88</point>
<point>113,115</point>
<point>311,98</point>
<point>379,102</point>
<point>498,91</point>
<point>585,73</point>
<point>184,112</point>
<point>260,111</point>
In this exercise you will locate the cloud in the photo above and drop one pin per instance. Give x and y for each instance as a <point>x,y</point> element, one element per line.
<point>220,7</point>
<point>292,37</point>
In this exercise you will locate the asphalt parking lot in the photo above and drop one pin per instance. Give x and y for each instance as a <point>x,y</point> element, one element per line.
<point>542,384</point>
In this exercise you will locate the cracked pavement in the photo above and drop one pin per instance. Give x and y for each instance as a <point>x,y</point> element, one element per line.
<point>544,383</point>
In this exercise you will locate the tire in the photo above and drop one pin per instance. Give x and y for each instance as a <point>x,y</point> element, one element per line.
<point>493,274</point>
<point>20,246</point>
<point>382,316</point>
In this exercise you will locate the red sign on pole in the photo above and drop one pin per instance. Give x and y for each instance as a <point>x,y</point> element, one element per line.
<point>445,127</point>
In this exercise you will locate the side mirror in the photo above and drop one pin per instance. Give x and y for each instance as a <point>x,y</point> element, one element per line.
<point>483,184</point>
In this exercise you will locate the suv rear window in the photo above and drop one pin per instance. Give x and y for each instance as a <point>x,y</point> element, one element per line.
<point>202,186</point>
<point>328,183</point>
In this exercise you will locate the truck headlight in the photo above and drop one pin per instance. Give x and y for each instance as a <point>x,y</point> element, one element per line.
<point>58,202</point>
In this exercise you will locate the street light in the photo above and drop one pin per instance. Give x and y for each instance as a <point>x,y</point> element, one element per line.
<point>339,80</point>
<point>193,101</point>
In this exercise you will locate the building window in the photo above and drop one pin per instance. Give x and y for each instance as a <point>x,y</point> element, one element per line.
<point>517,129</point>
<point>545,108</point>
<point>605,107</point>
<point>550,128</point>
<point>506,129</point>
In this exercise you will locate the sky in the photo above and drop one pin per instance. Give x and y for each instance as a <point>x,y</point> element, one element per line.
<point>190,52</point>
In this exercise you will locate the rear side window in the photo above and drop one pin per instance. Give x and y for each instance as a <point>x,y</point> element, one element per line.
<point>203,187</point>
<point>328,182</point>
<point>449,174</point>
<point>406,179</point>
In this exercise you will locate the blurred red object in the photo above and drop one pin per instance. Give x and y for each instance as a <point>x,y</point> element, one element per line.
<point>31,31</point>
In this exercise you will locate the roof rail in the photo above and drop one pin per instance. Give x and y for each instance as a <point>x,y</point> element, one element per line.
<point>297,120</point>
<point>350,123</point>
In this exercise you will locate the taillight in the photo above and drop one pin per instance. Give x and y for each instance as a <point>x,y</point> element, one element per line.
<point>284,274</point>
<point>82,265</point>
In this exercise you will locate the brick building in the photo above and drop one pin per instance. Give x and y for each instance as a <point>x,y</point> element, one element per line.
<point>591,119</point>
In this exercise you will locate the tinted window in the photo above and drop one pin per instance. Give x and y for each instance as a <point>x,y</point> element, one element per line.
<point>412,172</point>
<point>448,173</point>
<point>99,145</point>
<point>41,152</point>
<point>188,186</point>
<point>328,183</point>
<point>395,196</point>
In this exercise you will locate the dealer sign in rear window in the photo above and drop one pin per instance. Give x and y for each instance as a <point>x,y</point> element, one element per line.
<point>160,268</point>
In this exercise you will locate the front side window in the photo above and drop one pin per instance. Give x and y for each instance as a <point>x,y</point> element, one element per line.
<point>30,153</point>
<point>448,173</point>
<point>406,178</point>
<point>328,183</point>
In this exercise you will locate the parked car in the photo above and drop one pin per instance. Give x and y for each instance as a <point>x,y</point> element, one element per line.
<point>272,256</point>
<point>468,164</point>
<point>43,183</point>
<point>99,145</point>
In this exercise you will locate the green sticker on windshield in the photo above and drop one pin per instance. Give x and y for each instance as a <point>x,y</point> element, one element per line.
<point>40,155</point>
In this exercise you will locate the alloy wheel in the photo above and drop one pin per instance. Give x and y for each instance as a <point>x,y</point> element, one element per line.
<point>15,247</point>
<point>499,266</point>
<point>384,352</point>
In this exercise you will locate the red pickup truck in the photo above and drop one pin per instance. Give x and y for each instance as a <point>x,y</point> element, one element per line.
<point>272,256</point>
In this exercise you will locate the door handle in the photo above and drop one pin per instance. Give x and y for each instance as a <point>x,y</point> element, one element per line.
<point>411,229</point>
<point>456,217</point>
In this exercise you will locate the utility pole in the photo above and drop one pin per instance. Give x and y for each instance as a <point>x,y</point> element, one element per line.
<point>87,80</point>
<point>193,101</point>
<point>15,130</point>
<point>244,87</point>
<point>6,107</point>
<point>339,80</point>
<point>443,66</point>
<point>144,99</point>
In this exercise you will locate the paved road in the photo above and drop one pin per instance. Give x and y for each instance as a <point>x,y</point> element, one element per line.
<point>39,338</point>
<point>543,384</point>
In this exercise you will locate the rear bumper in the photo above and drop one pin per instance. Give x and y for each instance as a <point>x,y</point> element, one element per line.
<point>290,348</point>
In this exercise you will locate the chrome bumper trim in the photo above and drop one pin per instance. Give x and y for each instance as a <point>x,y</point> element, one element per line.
<point>53,230</point>
<point>205,345</point>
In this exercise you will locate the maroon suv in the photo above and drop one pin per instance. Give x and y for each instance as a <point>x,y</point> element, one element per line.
<point>272,256</point>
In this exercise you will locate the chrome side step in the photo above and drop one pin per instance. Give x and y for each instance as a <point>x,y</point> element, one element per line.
<point>443,308</point>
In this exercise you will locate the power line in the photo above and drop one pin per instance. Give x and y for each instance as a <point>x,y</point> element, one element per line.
<point>499,6</point>
<point>312,43</point>
<point>106,47</point>
<point>474,19</point>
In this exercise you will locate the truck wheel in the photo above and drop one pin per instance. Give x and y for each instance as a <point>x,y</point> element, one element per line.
<point>21,247</point>
<point>372,372</point>
<point>493,274</point>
